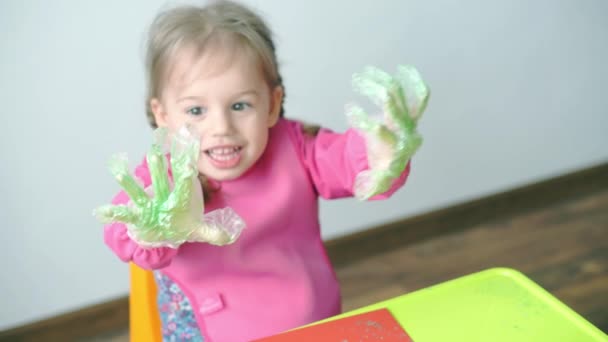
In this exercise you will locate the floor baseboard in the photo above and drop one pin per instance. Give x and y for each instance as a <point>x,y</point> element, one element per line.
<point>74,326</point>
<point>396,234</point>
<point>114,315</point>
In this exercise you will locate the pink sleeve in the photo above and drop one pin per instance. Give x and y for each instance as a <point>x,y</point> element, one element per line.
<point>333,161</point>
<point>115,237</point>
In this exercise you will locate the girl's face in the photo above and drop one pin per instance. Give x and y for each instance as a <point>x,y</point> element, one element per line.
<point>228,102</point>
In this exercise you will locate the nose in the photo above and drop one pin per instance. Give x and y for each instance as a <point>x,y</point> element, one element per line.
<point>220,123</point>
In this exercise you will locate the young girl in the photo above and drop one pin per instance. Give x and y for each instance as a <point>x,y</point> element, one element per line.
<point>214,70</point>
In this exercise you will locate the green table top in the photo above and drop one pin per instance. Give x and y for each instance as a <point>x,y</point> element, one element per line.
<point>494,305</point>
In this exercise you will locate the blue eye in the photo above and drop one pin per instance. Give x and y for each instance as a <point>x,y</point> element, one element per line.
<point>196,111</point>
<point>239,106</point>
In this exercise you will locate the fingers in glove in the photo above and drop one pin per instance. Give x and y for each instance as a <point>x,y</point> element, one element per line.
<point>115,213</point>
<point>359,119</point>
<point>415,88</point>
<point>120,170</point>
<point>396,111</point>
<point>158,172</point>
<point>373,83</point>
<point>185,150</point>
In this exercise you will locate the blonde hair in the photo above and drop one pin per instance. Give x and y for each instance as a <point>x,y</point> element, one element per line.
<point>221,22</point>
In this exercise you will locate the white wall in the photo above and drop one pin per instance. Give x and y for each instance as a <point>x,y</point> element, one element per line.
<point>519,95</point>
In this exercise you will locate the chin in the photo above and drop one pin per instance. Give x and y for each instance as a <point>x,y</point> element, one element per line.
<point>220,175</point>
<point>228,176</point>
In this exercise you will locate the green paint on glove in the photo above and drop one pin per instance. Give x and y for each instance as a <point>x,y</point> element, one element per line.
<point>403,98</point>
<point>165,216</point>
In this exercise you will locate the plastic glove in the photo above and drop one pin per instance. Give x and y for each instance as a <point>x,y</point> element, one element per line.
<point>165,215</point>
<point>392,140</point>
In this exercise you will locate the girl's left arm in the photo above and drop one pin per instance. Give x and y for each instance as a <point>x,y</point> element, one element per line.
<point>371,160</point>
<point>334,160</point>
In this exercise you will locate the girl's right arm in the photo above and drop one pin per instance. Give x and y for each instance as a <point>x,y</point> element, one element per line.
<point>152,217</point>
<point>116,237</point>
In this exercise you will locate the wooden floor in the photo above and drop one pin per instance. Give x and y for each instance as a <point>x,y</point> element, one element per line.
<point>564,248</point>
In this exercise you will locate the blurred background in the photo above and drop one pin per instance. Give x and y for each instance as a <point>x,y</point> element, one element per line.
<point>518,96</point>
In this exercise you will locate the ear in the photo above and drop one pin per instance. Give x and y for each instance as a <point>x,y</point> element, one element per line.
<point>160,115</point>
<point>276,100</point>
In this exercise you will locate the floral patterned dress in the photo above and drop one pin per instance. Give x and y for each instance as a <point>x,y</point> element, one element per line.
<point>176,315</point>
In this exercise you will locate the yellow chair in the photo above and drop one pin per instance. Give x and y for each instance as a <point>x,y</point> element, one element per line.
<point>144,320</point>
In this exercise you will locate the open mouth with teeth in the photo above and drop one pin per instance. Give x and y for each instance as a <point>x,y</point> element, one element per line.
<point>224,156</point>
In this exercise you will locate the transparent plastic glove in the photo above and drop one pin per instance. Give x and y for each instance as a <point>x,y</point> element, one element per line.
<point>166,215</point>
<point>391,140</point>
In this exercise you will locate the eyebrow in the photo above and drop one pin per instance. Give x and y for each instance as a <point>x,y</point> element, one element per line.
<point>242,93</point>
<point>247,92</point>
<point>189,98</point>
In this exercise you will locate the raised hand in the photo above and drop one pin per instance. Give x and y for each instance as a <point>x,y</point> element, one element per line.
<point>166,215</point>
<point>392,140</point>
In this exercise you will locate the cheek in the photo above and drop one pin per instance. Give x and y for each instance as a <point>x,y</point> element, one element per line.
<point>171,122</point>
<point>258,129</point>
<point>201,164</point>
<point>178,122</point>
<point>262,138</point>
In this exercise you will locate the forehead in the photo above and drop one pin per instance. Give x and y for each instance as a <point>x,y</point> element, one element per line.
<point>222,64</point>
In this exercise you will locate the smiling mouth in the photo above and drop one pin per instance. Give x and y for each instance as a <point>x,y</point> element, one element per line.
<point>224,157</point>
